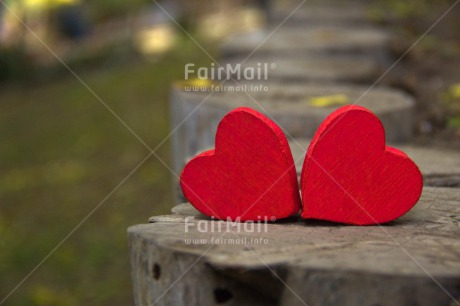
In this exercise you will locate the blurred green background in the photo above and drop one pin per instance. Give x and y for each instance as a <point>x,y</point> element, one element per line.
<point>63,152</point>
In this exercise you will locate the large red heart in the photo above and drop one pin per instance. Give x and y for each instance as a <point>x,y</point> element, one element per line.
<point>351,176</point>
<point>249,176</point>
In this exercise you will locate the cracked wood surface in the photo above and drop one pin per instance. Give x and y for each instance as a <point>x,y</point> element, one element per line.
<point>414,260</point>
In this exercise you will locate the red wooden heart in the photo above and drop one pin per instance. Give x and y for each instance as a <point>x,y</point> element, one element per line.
<point>351,176</point>
<point>249,176</point>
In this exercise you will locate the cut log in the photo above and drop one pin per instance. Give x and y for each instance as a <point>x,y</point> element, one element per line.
<point>195,115</point>
<point>363,41</point>
<point>187,259</point>
<point>326,69</point>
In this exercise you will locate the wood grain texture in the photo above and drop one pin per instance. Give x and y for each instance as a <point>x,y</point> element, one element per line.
<point>350,176</point>
<point>249,176</point>
<point>322,263</point>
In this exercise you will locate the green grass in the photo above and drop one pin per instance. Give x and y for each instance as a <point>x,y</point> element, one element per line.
<point>62,153</point>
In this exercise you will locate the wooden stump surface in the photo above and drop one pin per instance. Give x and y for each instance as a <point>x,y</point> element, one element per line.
<point>414,260</point>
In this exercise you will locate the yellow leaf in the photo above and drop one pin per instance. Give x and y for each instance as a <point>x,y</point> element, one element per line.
<point>332,100</point>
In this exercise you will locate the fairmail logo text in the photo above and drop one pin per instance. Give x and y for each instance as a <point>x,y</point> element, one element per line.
<point>228,226</point>
<point>227,72</point>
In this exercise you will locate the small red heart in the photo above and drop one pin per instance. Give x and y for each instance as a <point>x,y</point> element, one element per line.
<point>351,176</point>
<point>249,176</point>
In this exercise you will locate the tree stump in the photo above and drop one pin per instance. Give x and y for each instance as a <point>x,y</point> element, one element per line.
<point>328,69</point>
<point>287,104</point>
<point>299,41</point>
<point>183,259</point>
